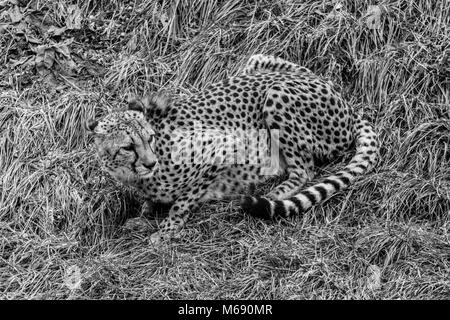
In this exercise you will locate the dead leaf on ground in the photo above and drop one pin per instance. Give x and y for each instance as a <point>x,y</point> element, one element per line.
<point>4,3</point>
<point>22,61</point>
<point>55,31</point>
<point>45,56</point>
<point>74,18</point>
<point>15,15</point>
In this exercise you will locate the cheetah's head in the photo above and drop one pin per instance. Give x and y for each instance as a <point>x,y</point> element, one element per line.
<point>125,143</point>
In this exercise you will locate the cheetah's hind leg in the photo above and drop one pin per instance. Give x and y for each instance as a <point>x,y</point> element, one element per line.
<point>291,147</point>
<point>234,182</point>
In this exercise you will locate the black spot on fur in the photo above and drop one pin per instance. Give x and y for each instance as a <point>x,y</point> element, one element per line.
<point>310,197</point>
<point>332,182</point>
<point>323,192</point>
<point>256,206</point>
<point>298,204</point>
<point>280,209</point>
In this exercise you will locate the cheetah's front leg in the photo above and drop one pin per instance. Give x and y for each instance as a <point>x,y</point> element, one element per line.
<point>180,210</point>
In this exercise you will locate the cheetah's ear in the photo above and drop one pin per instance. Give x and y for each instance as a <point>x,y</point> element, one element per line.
<point>158,102</point>
<point>91,124</point>
<point>136,105</point>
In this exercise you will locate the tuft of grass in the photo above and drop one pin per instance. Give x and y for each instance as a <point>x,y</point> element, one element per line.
<point>69,231</point>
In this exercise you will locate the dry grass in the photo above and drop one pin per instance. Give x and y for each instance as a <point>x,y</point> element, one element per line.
<point>387,237</point>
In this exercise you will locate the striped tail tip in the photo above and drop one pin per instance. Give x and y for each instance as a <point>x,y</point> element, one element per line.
<point>257,206</point>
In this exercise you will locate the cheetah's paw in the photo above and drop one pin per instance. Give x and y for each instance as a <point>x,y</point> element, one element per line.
<point>147,209</point>
<point>158,238</point>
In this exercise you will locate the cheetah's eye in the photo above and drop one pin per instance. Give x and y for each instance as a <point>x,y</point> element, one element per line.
<point>128,148</point>
<point>150,142</point>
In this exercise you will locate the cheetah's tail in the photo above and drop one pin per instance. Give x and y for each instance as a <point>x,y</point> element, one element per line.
<point>363,161</point>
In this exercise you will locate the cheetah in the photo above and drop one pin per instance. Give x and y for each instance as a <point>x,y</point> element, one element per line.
<point>296,115</point>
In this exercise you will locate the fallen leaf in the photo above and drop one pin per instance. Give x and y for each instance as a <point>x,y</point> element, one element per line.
<point>64,50</point>
<point>68,66</point>
<point>32,39</point>
<point>15,15</point>
<point>55,31</point>
<point>23,60</point>
<point>4,3</point>
<point>20,28</point>
<point>49,58</point>
<point>45,56</point>
<point>74,18</point>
